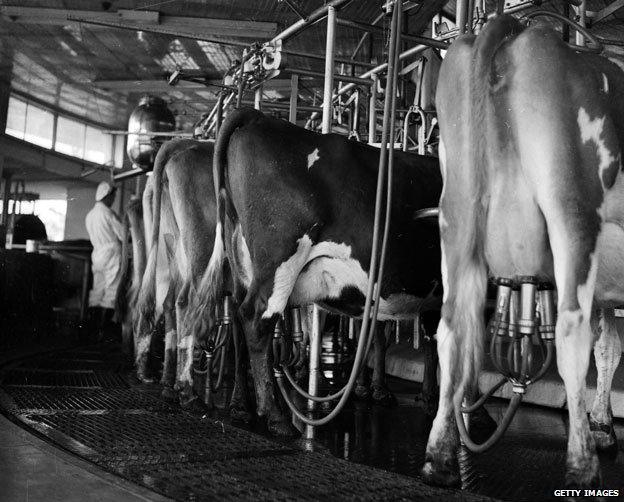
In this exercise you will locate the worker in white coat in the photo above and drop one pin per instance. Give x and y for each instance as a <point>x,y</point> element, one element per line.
<point>106,233</point>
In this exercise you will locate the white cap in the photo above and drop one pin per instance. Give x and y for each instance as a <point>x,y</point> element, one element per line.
<point>103,189</point>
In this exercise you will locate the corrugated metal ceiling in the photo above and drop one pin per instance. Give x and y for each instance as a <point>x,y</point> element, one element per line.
<point>59,64</point>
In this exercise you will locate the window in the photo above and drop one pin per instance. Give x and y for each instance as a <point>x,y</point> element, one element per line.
<point>120,150</point>
<point>39,126</point>
<point>16,118</point>
<point>52,214</point>
<point>70,136</point>
<point>35,124</point>
<point>98,146</point>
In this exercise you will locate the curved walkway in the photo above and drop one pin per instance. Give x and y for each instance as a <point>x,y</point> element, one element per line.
<point>80,401</point>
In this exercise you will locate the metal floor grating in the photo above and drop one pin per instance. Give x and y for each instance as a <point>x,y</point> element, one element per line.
<point>91,410</point>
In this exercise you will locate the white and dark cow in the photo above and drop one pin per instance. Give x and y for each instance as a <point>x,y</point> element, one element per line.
<point>184,221</point>
<point>531,139</point>
<point>296,221</point>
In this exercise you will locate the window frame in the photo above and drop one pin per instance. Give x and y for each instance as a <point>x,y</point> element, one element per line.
<point>109,151</point>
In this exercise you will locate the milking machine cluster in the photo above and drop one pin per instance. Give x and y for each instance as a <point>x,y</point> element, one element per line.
<point>524,318</point>
<point>288,344</point>
<point>215,348</point>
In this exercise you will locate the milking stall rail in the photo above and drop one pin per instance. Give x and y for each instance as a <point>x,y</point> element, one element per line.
<point>515,323</point>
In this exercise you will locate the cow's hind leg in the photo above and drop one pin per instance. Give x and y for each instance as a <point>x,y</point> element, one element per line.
<point>169,365</point>
<point>462,318</point>
<point>575,260</point>
<point>143,340</point>
<point>258,333</point>
<point>239,402</point>
<point>607,352</point>
<point>379,388</point>
<point>186,344</point>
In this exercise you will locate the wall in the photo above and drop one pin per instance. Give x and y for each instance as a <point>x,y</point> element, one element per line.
<point>80,200</point>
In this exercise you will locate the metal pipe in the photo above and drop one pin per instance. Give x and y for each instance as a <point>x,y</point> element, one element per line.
<point>330,46</point>
<point>405,36</point>
<point>340,76</point>
<point>258,98</point>
<point>315,358</point>
<point>128,174</point>
<point>321,57</point>
<point>309,20</point>
<point>294,92</point>
<point>241,81</point>
<point>414,51</point>
<point>461,15</point>
<point>5,202</point>
<point>160,30</point>
<point>275,105</point>
<point>372,112</point>
<point>582,20</point>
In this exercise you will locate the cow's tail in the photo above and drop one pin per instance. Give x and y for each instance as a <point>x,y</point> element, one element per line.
<point>212,286</point>
<point>145,321</point>
<point>467,321</point>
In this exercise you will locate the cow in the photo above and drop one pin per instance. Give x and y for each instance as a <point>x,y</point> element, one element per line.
<point>183,223</point>
<point>132,268</point>
<point>295,222</point>
<point>531,138</point>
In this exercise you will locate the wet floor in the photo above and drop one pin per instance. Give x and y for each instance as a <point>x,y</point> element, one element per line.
<point>527,464</point>
<point>84,402</point>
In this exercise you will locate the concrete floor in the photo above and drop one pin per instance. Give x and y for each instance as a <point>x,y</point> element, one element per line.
<point>31,470</point>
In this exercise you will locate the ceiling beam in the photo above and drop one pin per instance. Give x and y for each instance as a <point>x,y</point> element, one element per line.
<point>148,19</point>
<point>161,85</point>
<point>157,85</point>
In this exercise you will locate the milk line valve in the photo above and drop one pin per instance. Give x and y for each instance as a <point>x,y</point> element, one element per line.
<point>524,317</point>
<point>215,349</point>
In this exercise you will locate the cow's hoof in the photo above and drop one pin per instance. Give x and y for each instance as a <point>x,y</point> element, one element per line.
<point>362,392</point>
<point>382,396</point>
<point>169,394</point>
<point>143,378</point>
<point>604,437</point>
<point>584,475</point>
<point>282,428</point>
<point>443,472</point>
<point>194,405</point>
<point>240,414</point>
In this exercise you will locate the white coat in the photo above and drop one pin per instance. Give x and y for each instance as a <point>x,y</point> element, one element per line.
<point>105,232</point>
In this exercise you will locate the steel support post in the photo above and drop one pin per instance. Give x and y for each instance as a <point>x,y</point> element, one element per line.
<point>5,201</point>
<point>329,70</point>
<point>294,92</point>
<point>241,82</point>
<point>372,111</point>
<point>316,338</point>
<point>258,98</point>
<point>461,15</point>
<point>581,12</point>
